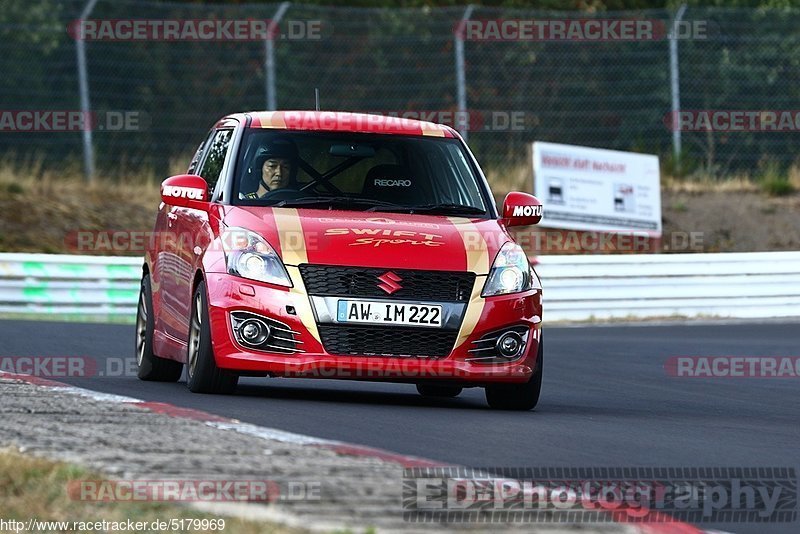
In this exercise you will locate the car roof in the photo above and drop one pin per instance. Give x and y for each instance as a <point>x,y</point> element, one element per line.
<point>341,121</point>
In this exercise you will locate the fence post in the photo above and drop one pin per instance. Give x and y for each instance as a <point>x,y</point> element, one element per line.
<point>675,86</point>
<point>269,56</point>
<point>83,85</point>
<point>461,80</point>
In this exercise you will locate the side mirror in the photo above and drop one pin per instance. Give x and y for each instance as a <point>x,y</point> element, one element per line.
<point>521,209</point>
<point>186,191</point>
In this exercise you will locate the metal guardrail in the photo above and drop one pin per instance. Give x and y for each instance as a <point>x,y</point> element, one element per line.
<point>69,285</point>
<point>742,285</point>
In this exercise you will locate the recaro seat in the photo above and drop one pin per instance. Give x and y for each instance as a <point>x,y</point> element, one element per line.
<point>391,183</point>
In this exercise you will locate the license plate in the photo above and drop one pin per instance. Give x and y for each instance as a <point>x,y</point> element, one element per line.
<point>373,312</point>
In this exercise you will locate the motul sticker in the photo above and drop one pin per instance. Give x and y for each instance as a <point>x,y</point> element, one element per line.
<point>177,191</point>
<point>527,211</point>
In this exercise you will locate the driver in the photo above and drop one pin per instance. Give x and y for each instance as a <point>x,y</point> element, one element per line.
<point>277,165</point>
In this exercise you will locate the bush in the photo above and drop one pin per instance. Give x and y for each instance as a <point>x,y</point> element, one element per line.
<point>775,183</point>
<point>15,189</point>
<point>777,187</point>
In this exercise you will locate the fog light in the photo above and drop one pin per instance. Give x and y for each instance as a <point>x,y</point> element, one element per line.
<point>509,345</point>
<point>253,331</point>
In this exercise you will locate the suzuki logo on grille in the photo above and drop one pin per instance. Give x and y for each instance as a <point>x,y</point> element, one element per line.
<point>389,282</point>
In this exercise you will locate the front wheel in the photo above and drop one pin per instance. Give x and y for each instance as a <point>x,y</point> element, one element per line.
<point>203,375</point>
<point>149,366</point>
<point>518,396</point>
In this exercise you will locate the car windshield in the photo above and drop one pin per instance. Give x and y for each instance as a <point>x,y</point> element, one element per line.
<point>358,172</point>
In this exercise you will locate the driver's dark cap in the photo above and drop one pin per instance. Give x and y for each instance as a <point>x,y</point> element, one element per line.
<point>276,149</point>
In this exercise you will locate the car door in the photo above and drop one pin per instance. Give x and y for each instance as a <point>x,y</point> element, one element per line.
<point>193,226</point>
<point>167,263</point>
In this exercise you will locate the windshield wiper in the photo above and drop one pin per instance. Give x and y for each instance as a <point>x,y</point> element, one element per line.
<point>335,200</point>
<point>428,208</point>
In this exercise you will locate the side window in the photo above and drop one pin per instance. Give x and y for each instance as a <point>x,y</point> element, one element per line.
<point>198,155</point>
<point>215,158</point>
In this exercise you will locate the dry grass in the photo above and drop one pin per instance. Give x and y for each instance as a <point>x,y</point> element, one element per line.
<point>32,175</point>
<point>514,178</point>
<point>37,488</point>
<point>794,177</point>
<point>708,184</point>
<point>31,168</point>
<point>38,209</point>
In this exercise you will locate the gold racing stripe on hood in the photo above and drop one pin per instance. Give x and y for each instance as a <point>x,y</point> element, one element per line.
<point>292,238</point>
<point>293,251</point>
<point>478,263</point>
<point>475,245</point>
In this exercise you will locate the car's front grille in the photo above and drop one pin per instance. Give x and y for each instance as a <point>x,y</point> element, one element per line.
<point>435,286</point>
<point>382,341</point>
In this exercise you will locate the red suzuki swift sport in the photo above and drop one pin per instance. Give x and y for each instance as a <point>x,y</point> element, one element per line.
<point>340,245</point>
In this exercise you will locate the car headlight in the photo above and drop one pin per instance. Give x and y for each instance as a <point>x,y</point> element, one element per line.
<point>510,273</point>
<point>250,256</point>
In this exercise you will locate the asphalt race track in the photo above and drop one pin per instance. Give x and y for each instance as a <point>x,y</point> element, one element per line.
<point>606,401</point>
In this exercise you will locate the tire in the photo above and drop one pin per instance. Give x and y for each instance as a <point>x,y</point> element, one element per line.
<point>518,396</point>
<point>203,375</point>
<point>428,390</point>
<point>151,367</point>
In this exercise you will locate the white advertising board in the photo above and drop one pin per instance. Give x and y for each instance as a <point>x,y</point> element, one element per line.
<point>593,189</point>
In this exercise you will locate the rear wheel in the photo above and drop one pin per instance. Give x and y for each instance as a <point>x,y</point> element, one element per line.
<point>518,396</point>
<point>150,366</point>
<point>203,375</point>
<point>428,390</point>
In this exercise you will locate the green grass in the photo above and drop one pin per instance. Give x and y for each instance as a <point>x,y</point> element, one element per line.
<point>71,318</point>
<point>777,186</point>
<point>33,487</point>
<point>776,183</point>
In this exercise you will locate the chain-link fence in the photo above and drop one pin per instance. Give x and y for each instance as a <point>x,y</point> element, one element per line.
<point>612,92</point>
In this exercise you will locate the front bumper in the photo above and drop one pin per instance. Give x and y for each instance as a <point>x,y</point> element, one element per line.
<point>293,308</point>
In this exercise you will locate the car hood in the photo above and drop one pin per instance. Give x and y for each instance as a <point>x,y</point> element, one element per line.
<point>381,240</point>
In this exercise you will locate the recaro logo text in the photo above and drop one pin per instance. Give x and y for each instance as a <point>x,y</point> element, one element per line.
<point>527,211</point>
<point>393,183</point>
